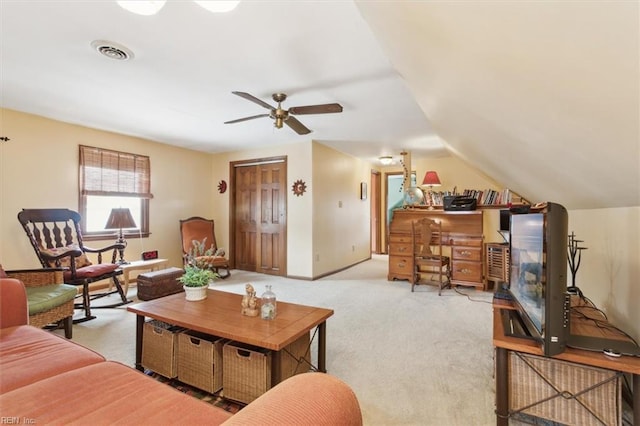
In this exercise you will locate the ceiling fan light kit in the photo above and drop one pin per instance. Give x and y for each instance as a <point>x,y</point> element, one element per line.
<point>283,116</point>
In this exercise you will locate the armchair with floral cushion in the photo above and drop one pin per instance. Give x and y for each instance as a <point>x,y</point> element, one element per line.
<point>56,237</point>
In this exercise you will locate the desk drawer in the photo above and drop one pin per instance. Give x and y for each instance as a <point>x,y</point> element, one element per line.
<point>467,253</point>
<point>401,249</point>
<point>466,242</point>
<point>466,271</point>
<point>400,267</point>
<point>399,238</point>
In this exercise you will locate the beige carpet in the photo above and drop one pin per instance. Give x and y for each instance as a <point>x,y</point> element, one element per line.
<point>412,358</point>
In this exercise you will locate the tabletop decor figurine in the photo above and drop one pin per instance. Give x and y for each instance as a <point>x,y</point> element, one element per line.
<point>250,302</point>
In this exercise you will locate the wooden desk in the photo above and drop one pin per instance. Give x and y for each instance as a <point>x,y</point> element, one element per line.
<point>505,344</point>
<point>461,231</point>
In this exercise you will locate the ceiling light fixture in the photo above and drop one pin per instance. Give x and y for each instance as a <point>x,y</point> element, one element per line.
<point>151,7</point>
<point>141,7</point>
<point>386,160</point>
<point>112,50</point>
<point>217,6</point>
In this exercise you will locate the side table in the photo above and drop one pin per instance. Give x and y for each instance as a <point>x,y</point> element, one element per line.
<point>140,265</point>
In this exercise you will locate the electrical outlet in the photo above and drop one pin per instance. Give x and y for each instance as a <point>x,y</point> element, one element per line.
<point>317,257</point>
<point>339,204</point>
<point>353,248</point>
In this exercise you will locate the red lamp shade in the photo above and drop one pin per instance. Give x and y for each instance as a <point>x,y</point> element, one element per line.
<point>431,179</point>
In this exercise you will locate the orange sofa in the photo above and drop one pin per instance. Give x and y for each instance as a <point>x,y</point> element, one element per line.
<point>46,379</point>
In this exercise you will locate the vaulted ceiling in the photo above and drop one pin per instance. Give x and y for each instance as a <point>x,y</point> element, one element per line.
<point>541,96</point>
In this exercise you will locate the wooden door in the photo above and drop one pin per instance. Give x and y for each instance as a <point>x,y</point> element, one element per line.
<point>272,226</point>
<point>246,224</point>
<point>259,217</point>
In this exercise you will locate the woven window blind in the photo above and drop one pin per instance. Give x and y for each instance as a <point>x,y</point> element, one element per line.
<point>112,173</point>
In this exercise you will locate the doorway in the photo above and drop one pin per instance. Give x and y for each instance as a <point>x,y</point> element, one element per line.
<point>258,212</point>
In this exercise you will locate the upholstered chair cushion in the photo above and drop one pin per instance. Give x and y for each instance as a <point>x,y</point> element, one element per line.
<point>92,271</point>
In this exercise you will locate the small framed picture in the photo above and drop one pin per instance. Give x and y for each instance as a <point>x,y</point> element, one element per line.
<point>363,190</point>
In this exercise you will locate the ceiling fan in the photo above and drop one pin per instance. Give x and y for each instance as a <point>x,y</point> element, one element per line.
<point>284,116</point>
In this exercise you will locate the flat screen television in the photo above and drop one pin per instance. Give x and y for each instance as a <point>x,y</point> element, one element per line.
<point>538,275</point>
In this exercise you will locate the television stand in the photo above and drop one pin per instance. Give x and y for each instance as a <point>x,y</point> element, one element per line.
<point>578,365</point>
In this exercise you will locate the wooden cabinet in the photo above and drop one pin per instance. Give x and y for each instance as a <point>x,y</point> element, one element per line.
<point>461,231</point>
<point>497,263</point>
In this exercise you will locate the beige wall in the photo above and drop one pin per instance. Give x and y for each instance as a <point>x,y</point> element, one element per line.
<point>341,220</point>
<point>39,169</point>
<point>299,227</point>
<point>609,273</point>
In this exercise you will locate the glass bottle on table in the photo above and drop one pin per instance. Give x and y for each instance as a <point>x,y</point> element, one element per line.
<point>268,306</point>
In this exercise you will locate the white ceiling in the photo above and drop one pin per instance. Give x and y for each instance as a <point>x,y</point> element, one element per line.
<point>543,96</point>
<point>177,89</point>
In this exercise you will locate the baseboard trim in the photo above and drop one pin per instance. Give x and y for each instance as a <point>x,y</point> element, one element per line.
<point>326,274</point>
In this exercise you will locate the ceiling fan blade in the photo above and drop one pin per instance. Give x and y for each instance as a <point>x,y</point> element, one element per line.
<point>253,99</point>
<point>246,118</point>
<point>316,109</point>
<point>297,126</point>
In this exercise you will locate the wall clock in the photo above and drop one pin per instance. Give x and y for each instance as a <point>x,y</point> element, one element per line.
<point>299,187</point>
<point>222,187</point>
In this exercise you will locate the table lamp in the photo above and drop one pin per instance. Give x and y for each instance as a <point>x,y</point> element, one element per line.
<point>431,179</point>
<point>120,219</point>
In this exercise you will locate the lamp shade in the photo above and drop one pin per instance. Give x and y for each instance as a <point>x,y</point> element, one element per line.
<point>119,219</point>
<point>431,179</point>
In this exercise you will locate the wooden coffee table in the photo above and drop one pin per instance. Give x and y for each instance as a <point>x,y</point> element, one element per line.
<point>219,315</point>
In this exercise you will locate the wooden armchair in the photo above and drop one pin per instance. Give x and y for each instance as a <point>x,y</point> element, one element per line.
<point>201,230</point>
<point>56,238</point>
<point>49,300</point>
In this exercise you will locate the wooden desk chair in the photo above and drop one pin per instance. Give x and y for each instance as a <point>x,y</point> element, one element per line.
<point>201,231</point>
<point>56,238</point>
<point>428,257</point>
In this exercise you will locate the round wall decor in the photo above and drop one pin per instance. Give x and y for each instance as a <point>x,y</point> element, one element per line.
<point>299,187</point>
<point>222,187</point>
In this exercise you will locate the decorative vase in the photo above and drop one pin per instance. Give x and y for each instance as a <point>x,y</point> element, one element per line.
<point>195,293</point>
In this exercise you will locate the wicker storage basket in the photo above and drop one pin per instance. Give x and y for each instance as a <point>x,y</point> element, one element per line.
<point>295,358</point>
<point>247,371</point>
<point>564,392</point>
<point>159,348</point>
<point>200,360</point>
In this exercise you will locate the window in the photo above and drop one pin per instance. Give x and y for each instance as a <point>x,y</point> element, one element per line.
<point>112,179</point>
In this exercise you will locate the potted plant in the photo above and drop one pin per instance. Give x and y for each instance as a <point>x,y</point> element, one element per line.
<point>197,276</point>
<point>195,282</point>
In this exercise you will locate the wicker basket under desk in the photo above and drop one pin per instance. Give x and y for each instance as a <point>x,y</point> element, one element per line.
<point>564,392</point>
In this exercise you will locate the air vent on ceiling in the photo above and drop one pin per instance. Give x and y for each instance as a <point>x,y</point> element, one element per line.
<point>112,50</point>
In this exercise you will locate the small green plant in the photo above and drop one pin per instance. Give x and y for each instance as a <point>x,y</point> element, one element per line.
<point>197,277</point>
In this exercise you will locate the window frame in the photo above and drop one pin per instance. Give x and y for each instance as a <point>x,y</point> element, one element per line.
<point>140,188</point>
